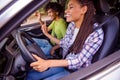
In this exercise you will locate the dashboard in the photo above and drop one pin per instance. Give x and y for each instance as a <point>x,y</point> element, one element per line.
<point>11,61</point>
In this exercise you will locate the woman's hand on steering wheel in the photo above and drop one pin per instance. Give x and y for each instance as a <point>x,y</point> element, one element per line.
<point>39,65</point>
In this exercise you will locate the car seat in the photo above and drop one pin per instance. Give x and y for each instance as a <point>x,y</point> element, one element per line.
<point>110,28</point>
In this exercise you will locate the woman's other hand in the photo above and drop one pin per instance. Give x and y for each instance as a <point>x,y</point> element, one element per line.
<point>52,51</point>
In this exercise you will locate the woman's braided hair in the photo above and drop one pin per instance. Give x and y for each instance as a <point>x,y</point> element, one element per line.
<point>86,27</point>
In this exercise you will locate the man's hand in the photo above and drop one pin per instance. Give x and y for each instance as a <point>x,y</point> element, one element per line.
<point>44,28</point>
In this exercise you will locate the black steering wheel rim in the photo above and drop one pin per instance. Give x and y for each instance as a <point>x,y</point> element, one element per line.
<point>26,53</point>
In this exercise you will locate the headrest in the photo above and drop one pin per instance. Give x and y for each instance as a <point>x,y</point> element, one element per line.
<point>101,6</point>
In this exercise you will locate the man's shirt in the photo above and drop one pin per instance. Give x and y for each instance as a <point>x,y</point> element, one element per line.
<point>58,28</point>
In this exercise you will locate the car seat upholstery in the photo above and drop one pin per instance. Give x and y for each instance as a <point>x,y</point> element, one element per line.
<point>110,28</point>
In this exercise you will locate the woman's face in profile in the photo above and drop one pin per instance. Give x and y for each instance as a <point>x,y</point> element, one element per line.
<point>73,12</point>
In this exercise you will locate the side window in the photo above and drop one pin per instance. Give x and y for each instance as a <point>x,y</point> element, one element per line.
<point>33,18</point>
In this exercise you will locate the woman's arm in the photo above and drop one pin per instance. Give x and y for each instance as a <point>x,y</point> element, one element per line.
<point>42,65</point>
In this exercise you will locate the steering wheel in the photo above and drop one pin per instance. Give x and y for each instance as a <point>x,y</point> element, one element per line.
<point>28,50</point>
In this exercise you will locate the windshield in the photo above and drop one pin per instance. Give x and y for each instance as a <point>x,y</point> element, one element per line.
<point>9,9</point>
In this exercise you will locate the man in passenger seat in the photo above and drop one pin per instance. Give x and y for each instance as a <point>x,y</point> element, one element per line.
<point>57,27</point>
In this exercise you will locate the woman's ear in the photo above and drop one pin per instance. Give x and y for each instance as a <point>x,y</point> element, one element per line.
<point>84,9</point>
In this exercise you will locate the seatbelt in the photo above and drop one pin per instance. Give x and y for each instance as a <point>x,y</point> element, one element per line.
<point>98,26</point>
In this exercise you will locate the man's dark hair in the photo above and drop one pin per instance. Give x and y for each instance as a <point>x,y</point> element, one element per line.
<point>54,6</point>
